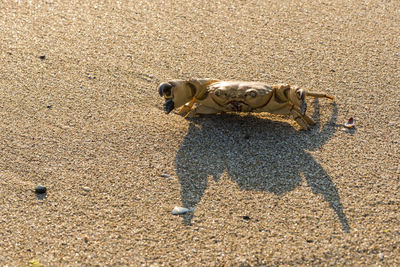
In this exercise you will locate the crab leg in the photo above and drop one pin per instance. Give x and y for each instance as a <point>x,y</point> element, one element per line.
<point>308,119</point>
<point>187,107</point>
<point>317,94</point>
<point>301,119</point>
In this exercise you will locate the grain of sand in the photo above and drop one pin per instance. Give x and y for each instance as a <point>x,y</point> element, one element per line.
<point>79,114</point>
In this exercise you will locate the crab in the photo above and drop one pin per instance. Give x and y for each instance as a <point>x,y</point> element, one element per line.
<point>209,96</point>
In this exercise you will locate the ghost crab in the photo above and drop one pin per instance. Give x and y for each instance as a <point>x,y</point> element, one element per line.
<point>214,96</point>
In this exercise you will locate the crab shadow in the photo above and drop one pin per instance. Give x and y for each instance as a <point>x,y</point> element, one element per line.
<point>258,154</point>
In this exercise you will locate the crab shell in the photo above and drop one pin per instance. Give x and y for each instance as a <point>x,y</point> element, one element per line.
<point>214,96</point>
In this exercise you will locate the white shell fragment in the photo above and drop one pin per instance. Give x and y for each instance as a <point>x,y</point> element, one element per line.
<point>181,210</point>
<point>350,124</point>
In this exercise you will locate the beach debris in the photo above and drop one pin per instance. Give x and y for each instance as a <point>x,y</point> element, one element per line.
<point>164,175</point>
<point>181,210</point>
<point>40,189</point>
<point>350,124</point>
<point>86,239</point>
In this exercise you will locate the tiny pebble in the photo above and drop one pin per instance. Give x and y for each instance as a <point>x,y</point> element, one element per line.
<point>42,57</point>
<point>380,255</point>
<point>164,175</point>
<point>180,210</point>
<point>85,188</point>
<point>40,189</point>
<point>246,218</point>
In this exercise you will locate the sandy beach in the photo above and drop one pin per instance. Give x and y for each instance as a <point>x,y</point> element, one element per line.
<point>80,114</point>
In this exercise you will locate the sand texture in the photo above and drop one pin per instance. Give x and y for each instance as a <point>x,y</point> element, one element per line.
<point>80,115</point>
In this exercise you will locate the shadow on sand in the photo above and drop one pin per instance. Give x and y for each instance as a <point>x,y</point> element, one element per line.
<point>258,154</point>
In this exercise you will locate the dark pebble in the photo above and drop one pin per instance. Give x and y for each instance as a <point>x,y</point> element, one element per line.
<point>42,57</point>
<point>40,189</point>
<point>246,218</point>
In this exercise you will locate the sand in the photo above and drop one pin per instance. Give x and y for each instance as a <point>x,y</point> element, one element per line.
<point>80,115</point>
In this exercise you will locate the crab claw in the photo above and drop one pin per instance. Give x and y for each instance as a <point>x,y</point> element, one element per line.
<point>165,89</point>
<point>168,106</point>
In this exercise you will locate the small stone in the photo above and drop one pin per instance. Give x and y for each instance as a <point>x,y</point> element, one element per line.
<point>246,218</point>
<point>164,175</point>
<point>42,57</point>
<point>40,189</point>
<point>180,210</point>
<point>49,106</point>
<point>380,255</point>
<point>85,188</point>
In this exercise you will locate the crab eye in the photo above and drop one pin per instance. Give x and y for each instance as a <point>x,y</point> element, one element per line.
<point>165,90</point>
<point>300,94</point>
